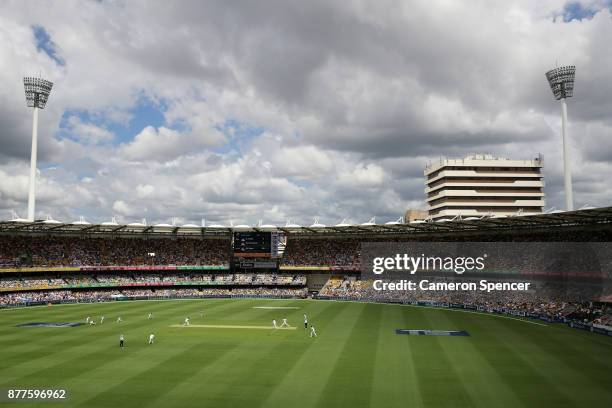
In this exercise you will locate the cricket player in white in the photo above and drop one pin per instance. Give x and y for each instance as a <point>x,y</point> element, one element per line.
<point>305,321</point>
<point>119,319</point>
<point>87,320</point>
<point>313,332</point>
<point>151,338</point>
<point>150,316</point>
<point>102,320</point>
<point>121,341</point>
<point>91,322</point>
<point>186,323</point>
<point>284,324</point>
<point>274,324</point>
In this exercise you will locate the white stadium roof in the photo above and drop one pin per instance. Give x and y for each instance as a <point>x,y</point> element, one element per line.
<point>583,216</point>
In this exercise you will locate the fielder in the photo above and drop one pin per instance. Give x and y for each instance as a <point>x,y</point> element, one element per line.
<point>87,320</point>
<point>151,338</point>
<point>102,320</point>
<point>274,324</point>
<point>119,319</point>
<point>313,332</point>
<point>305,321</point>
<point>150,316</point>
<point>284,324</point>
<point>121,341</point>
<point>186,322</point>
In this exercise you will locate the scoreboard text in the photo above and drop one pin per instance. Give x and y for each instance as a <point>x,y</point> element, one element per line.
<point>253,244</point>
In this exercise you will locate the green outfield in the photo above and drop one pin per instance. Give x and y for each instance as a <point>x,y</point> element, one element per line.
<point>356,361</point>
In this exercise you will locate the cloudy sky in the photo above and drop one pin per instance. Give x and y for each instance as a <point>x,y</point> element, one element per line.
<point>275,110</point>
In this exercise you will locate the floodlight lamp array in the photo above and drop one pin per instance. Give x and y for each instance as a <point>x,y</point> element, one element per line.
<point>37,91</point>
<point>561,81</point>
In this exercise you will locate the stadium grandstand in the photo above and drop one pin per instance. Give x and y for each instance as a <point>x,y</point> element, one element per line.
<point>53,262</point>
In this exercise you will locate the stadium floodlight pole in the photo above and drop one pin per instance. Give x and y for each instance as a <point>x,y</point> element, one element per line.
<point>561,81</point>
<point>37,92</point>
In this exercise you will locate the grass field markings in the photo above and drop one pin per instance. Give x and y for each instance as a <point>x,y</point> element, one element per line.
<point>275,307</point>
<point>228,326</point>
<point>267,315</point>
<point>318,357</point>
<point>475,361</point>
<point>74,344</point>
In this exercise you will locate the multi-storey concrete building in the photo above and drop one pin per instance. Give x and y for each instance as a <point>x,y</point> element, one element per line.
<point>482,185</point>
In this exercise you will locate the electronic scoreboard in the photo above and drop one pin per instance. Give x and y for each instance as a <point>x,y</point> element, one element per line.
<point>253,244</point>
<point>255,251</point>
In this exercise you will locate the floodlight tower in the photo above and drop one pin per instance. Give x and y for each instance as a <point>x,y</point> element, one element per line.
<point>561,82</point>
<point>37,92</point>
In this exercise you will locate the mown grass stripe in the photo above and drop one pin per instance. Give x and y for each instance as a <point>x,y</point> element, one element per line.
<point>299,385</point>
<point>436,369</point>
<point>394,375</point>
<point>160,377</point>
<point>528,372</point>
<point>354,367</point>
<point>226,326</point>
<point>480,379</point>
<point>71,348</point>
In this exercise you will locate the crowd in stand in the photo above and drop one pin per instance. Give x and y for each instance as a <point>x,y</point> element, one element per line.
<point>42,297</point>
<point>28,283</point>
<point>556,300</point>
<point>25,251</point>
<point>553,300</point>
<point>118,279</point>
<point>65,251</point>
<point>345,252</point>
<point>309,252</point>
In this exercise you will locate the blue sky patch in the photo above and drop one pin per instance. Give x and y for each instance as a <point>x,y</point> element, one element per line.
<point>239,135</point>
<point>145,113</point>
<point>45,44</point>
<point>577,11</point>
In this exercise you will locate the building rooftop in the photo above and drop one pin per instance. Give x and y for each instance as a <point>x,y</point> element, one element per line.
<point>483,160</point>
